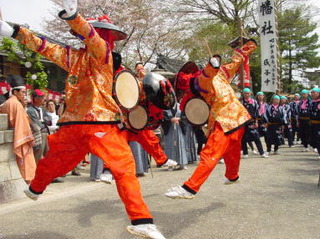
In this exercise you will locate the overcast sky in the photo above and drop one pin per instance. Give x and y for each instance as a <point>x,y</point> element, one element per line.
<point>33,12</point>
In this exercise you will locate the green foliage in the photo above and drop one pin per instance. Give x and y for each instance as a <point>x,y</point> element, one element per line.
<point>20,54</point>
<point>294,87</point>
<point>216,36</point>
<point>40,83</point>
<point>298,45</point>
<point>209,39</point>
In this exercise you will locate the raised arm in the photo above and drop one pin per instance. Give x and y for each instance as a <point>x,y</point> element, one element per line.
<point>239,56</point>
<point>204,80</point>
<point>96,45</point>
<point>52,52</point>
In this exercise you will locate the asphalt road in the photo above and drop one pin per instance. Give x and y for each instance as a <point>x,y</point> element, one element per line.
<point>277,198</point>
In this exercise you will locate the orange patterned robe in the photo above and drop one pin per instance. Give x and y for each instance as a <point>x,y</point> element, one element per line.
<point>225,107</point>
<point>89,82</point>
<point>227,116</point>
<point>88,123</point>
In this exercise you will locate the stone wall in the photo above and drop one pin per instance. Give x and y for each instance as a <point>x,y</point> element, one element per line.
<point>11,182</point>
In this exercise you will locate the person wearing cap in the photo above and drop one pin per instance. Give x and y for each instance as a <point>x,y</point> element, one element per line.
<point>225,123</point>
<point>4,89</point>
<point>303,115</point>
<point>251,129</point>
<point>260,97</point>
<point>18,120</point>
<point>40,120</point>
<point>294,117</point>
<point>274,118</point>
<point>89,122</point>
<point>287,129</point>
<point>315,119</point>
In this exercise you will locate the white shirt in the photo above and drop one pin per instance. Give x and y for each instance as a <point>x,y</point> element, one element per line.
<point>55,119</point>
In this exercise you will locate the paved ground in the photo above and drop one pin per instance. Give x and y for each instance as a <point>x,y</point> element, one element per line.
<point>277,198</point>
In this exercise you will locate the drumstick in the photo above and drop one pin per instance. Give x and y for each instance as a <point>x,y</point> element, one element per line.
<point>208,48</point>
<point>149,159</point>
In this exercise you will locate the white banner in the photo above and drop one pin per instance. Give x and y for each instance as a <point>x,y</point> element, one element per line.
<point>269,49</point>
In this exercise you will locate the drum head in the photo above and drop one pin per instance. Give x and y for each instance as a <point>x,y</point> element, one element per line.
<point>197,111</point>
<point>138,118</point>
<point>126,90</point>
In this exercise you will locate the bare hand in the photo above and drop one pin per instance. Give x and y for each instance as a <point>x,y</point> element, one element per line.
<point>175,120</point>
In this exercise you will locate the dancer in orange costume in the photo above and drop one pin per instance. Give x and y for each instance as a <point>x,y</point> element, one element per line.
<point>226,121</point>
<point>145,137</point>
<point>89,123</point>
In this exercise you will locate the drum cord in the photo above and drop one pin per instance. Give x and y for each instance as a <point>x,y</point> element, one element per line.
<point>121,114</point>
<point>149,159</point>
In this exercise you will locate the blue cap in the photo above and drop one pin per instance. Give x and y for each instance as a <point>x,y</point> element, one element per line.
<point>304,91</point>
<point>276,97</point>
<point>246,90</point>
<point>260,93</point>
<point>297,94</point>
<point>283,97</point>
<point>316,89</point>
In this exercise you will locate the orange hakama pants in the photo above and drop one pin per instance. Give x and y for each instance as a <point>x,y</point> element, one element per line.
<point>218,145</point>
<point>71,143</point>
<point>150,143</point>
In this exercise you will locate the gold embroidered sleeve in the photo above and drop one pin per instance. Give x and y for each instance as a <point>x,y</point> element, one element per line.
<point>97,46</point>
<point>239,55</point>
<point>206,76</point>
<point>57,54</point>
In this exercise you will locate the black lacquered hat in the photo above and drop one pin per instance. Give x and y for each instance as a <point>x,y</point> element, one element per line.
<point>15,81</point>
<point>159,91</point>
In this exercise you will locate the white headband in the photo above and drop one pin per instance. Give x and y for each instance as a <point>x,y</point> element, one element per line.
<point>18,88</point>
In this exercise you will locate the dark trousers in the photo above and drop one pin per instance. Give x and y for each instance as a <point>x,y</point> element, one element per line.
<point>288,134</point>
<point>295,130</point>
<point>273,137</point>
<point>249,137</point>
<point>276,147</point>
<point>305,131</point>
<point>200,137</point>
<point>315,136</point>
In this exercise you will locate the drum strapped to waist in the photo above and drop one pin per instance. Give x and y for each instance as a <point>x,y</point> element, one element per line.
<point>138,118</point>
<point>126,90</point>
<point>197,111</point>
<point>141,117</point>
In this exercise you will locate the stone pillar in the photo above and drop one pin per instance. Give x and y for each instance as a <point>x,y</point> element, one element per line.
<point>11,182</point>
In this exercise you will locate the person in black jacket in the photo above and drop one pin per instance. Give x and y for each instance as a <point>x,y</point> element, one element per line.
<point>303,113</point>
<point>251,129</point>
<point>274,118</point>
<point>315,119</point>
